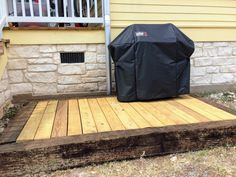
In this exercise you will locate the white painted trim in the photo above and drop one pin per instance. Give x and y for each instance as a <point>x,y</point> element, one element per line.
<point>56,19</point>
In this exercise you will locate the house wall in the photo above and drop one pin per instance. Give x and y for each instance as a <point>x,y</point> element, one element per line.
<point>37,69</point>
<point>201,20</point>
<point>213,63</point>
<point>5,93</point>
<point>33,55</point>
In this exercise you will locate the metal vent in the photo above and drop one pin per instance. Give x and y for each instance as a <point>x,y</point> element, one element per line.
<point>75,57</point>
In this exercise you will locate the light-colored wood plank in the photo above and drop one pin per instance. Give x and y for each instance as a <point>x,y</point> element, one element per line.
<point>168,112</point>
<point>111,116</point>
<point>189,111</point>
<point>137,118</point>
<point>195,107</point>
<point>32,124</point>
<point>60,121</point>
<point>99,118</point>
<point>147,115</point>
<point>74,119</point>
<point>161,116</point>
<point>87,120</point>
<point>214,110</point>
<point>126,120</point>
<point>189,118</point>
<point>45,127</point>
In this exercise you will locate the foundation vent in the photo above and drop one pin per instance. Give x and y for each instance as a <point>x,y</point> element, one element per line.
<point>72,57</point>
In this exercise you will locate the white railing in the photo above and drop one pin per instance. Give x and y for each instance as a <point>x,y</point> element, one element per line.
<point>3,16</point>
<point>55,11</point>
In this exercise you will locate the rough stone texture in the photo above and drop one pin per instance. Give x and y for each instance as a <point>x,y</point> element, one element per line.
<point>37,69</point>
<point>213,63</point>
<point>5,94</point>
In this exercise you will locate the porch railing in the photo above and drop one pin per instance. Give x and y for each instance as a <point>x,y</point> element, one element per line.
<point>53,11</point>
<point>3,16</point>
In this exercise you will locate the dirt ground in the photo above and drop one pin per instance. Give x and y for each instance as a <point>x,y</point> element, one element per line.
<point>217,162</point>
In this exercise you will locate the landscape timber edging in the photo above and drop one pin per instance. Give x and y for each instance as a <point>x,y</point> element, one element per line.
<point>69,152</point>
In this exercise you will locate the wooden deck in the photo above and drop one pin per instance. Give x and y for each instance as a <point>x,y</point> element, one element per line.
<point>59,118</point>
<point>60,134</point>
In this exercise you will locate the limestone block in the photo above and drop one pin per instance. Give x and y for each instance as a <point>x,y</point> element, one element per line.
<point>222,78</point>
<point>225,51</point>
<point>72,69</point>
<point>47,48</point>
<point>101,49</point>
<point>228,69</point>
<point>201,80</point>
<point>223,61</point>
<point>95,73</point>
<point>73,79</point>
<point>197,53</point>
<point>41,61</point>
<point>7,94</point>
<point>16,76</point>
<point>44,88</point>
<point>72,48</point>
<point>95,66</point>
<point>92,48</point>
<point>207,44</point>
<point>3,85</point>
<point>198,71</point>
<point>220,44</point>
<point>211,52</point>
<point>17,64</point>
<point>93,79</point>
<point>23,51</point>
<point>77,88</point>
<point>46,55</point>
<point>102,86</point>
<point>42,68</point>
<point>198,44</point>
<point>212,69</point>
<point>90,57</point>
<point>21,88</point>
<point>56,58</point>
<point>202,61</point>
<point>234,51</point>
<point>47,77</point>
<point>101,58</point>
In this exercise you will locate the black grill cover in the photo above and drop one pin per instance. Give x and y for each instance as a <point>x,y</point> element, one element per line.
<point>151,62</point>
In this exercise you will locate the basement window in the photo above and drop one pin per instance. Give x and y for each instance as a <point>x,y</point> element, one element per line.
<point>72,57</point>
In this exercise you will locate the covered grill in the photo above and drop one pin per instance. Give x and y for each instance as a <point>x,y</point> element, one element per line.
<point>151,62</point>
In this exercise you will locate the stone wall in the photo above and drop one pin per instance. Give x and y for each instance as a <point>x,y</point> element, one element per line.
<point>213,63</point>
<point>5,93</point>
<point>37,69</point>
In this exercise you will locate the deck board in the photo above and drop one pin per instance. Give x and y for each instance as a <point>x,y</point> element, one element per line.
<point>74,119</point>
<point>57,118</point>
<point>88,123</point>
<point>111,116</point>
<point>32,124</point>
<point>99,118</point>
<point>122,115</point>
<point>60,121</point>
<point>45,127</point>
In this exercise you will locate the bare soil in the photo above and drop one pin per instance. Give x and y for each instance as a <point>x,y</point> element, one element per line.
<point>217,162</point>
